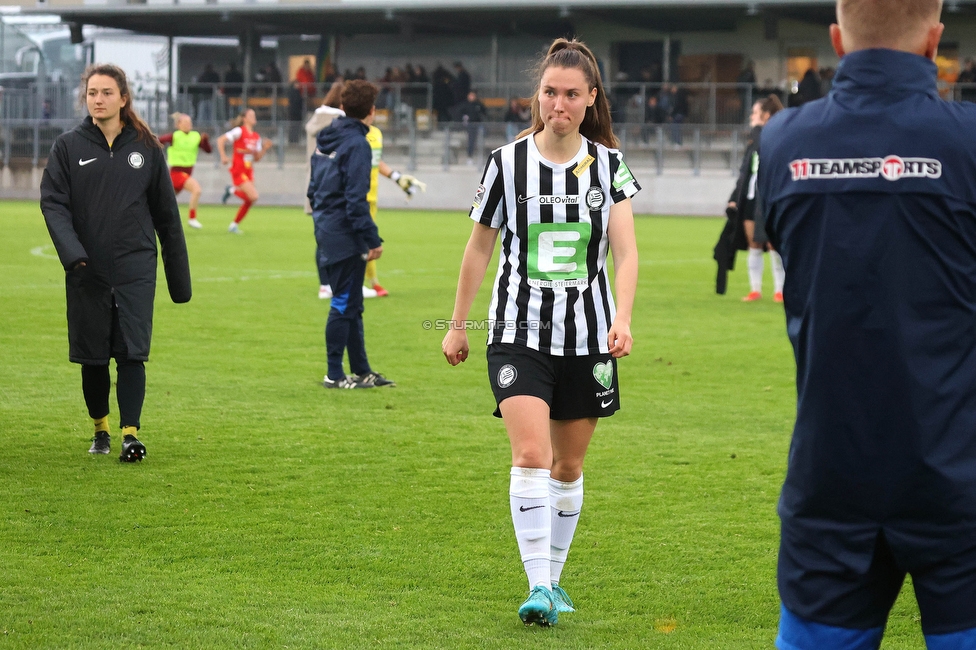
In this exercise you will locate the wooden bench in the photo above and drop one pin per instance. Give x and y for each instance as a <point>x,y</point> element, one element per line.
<point>257,102</point>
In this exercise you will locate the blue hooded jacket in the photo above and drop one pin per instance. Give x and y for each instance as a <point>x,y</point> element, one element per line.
<point>870,197</point>
<point>337,191</point>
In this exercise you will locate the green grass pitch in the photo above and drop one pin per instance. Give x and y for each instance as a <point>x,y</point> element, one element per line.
<point>271,513</point>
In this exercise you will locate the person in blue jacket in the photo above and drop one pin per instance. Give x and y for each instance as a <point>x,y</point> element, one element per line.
<point>870,197</point>
<point>346,234</point>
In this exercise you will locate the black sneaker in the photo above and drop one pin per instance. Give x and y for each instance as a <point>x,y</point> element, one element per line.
<point>373,380</point>
<point>345,382</point>
<point>132,450</point>
<point>101,443</point>
<point>227,192</point>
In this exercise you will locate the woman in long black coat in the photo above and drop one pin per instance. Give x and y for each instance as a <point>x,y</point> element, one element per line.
<point>106,195</point>
<point>745,214</point>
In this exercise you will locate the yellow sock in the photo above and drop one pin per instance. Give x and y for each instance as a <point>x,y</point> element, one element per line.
<point>101,424</point>
<point>129,431</point>
<point>370,273</point>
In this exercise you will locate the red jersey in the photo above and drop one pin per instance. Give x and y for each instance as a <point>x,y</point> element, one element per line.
<point>246,143</point>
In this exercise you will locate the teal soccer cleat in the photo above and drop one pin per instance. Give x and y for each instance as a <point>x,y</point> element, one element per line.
<point>539,608</point>
<point>564,604</point>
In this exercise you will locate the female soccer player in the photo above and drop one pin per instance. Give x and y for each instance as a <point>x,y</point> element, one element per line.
<point>559,195</point>
<point>184,145</point>
<point>105,191</point>
<point>743,201</point>
<point>248,148</point>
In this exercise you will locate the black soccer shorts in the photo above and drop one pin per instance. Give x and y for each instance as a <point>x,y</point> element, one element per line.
<point>573,387</point>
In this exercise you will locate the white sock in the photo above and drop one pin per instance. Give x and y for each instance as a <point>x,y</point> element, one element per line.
<point>565,501</point>
<point>529,498</point>
<point>779,273</point>
<point>755,269</point>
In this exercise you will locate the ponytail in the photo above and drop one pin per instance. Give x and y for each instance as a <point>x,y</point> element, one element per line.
<point>127,114</point>
<point>597,125</point>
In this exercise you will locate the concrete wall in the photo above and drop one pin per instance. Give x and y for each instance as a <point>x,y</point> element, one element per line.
<point>676,192</point>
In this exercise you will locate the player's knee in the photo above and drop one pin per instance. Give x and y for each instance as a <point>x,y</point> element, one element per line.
<point>567,470</point>
<point>531,458</point>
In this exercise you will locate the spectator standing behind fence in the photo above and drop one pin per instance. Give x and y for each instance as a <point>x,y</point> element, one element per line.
<point>967,76</point>
<point>471,113</point>
<point>653,116</point>
<point>204,97</point>
<point>747,87</point>
<point>233,81</point>
<point>808,88</point>
<point>443,95</point>
<point>462,83</point>
<point>516,118</point>
<point>305,82</point>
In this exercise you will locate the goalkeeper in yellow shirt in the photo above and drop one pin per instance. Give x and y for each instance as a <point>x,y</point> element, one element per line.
<point>407,183</point>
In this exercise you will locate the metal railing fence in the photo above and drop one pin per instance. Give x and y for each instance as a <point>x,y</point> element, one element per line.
<point>683,147</point>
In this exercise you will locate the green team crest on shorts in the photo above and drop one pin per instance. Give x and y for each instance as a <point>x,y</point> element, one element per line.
<point>557,254</point>
<point>603,373</point>
<point>623,175</point>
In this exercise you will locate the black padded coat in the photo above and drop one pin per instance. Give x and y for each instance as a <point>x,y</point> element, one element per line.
<point>105,206</point>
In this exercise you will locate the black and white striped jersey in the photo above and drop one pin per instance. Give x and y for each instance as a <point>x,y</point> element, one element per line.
<point>551,290</point>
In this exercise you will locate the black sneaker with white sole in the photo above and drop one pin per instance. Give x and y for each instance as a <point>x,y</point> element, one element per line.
<point>345,382</point>
<point>101,443</point>
<point>132,450</point>
<point>374,380</point>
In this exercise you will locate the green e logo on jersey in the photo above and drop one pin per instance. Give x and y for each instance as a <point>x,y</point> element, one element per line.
<point>557,254</point>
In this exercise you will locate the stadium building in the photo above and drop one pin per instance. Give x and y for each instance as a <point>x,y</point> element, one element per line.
<point>719,53</point>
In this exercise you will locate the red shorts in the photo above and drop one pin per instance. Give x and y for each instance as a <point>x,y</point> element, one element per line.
<point>241,176</point>
<point>178,178</point>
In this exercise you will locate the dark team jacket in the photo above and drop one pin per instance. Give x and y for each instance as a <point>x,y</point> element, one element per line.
<point>341,166</point>
<point>105,206</point>
<point>870,196</point>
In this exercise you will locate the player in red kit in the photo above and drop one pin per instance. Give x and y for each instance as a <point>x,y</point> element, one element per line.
<point>248,148</point>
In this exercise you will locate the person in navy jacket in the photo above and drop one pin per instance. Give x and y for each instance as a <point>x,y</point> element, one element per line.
<point>345,232</point>
<point>870,197</point>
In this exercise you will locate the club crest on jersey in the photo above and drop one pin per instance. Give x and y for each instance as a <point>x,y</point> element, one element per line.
<point>507,375</point>
<point>595,198</point>
<point>479,196</point>
<point>136,160</point>
<point>890,168</point>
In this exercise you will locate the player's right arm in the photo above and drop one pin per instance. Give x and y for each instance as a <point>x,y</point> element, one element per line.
<point>230,136</point>
<point>474,264</point>
<point>221,141</point>
<point>56,207</point>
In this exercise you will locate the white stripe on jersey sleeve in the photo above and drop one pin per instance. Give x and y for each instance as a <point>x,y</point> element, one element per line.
<point>490,195</point>
<point>234,134</point>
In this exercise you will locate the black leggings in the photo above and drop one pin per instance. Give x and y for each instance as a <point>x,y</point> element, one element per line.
<point>130,390</point>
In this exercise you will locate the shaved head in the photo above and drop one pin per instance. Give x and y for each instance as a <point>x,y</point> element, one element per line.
<point>892,24</point>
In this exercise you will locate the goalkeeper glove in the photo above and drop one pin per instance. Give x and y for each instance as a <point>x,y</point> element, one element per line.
<point>408,183</point>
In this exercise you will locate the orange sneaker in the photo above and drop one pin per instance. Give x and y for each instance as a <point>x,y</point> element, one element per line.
<point>380,291</point>
<point>752,297</point>
<point>778,296</point>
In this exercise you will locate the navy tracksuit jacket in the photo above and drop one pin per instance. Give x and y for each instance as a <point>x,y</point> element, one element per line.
<point>870,197</point>
<point>337,191</point>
